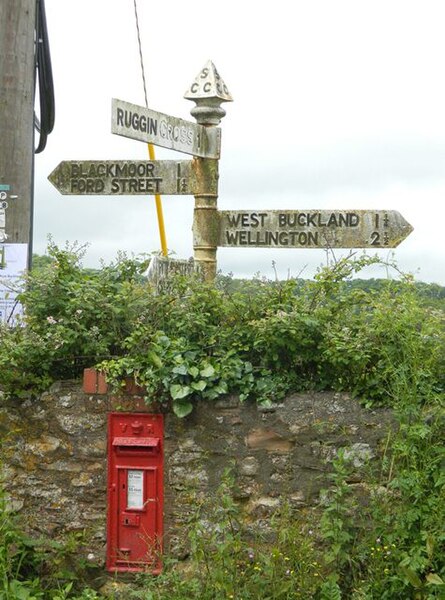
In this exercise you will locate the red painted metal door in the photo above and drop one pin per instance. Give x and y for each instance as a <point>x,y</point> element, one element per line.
<point>135,492</point>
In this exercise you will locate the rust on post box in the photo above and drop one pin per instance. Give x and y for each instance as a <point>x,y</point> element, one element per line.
<point>135,492</point>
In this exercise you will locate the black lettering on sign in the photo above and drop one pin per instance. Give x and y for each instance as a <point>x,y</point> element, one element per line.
<point>312,239</point>
<point>126,118</point>
<point>375,238</point>
<point>353,219</point>
<point>254,221</point>
<point>332,220</point>
<point>243,238</point>
<point>283,238</point>
<point>234,219</point>
<point>231,236</point>
<point>89,185</point>
<point>310,220</point>
<point>257,219</point>
<point>74,169</point>
<point>271,238</point>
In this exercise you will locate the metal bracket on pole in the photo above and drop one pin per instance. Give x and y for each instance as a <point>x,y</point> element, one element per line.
<point>208,91</point>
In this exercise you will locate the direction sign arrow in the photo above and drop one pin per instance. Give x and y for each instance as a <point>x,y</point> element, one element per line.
<point>312,228</point>
<point>149,126</point>
<point>128,177</point>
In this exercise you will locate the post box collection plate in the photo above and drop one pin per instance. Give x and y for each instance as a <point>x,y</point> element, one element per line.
<point>135,492</point>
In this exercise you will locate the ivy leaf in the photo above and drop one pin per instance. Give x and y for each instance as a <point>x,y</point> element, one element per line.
<point>208,371</point>
<point>199,385</point>
<point>154,359</point>
<point>411,576</point>
<point>430,546</point>
<point>180,370</point>
<point>178,391</point>
<point>434,579</point>
<point>182,409</point>
<point>194,371</point>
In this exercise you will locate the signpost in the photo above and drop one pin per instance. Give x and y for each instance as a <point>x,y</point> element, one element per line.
<point>146,125</point>
<point>312,229</point>
<point>212,228</point>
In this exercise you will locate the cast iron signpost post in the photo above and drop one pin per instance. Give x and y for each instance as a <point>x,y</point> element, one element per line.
<point>208,91</point>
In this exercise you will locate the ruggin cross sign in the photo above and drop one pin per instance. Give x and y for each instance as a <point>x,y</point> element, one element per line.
<point>151,127</point>
<point>312,228</point>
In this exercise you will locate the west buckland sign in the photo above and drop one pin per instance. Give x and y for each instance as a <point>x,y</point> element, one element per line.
<point>199,177</point>
<point>312,229</point>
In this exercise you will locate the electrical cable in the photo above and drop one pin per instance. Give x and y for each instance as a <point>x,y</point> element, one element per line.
<point>141,59</point>
<point>44,78</point>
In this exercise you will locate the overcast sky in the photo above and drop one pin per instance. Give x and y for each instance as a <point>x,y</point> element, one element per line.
<point>337,105</point>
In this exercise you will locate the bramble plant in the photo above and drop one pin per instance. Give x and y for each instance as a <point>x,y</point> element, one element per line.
<point>192,340</point>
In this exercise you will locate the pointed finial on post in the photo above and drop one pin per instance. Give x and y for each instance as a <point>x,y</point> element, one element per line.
<point>208,91</point>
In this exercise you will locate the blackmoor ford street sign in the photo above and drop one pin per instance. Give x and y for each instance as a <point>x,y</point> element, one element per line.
<point>125,177</point>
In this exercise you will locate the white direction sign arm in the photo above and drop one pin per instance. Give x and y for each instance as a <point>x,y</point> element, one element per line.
<point>152,127</point>
<point>312,229</point>
<point>126,177</point>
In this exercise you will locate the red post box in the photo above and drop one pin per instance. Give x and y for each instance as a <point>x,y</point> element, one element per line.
<point>135,492</point>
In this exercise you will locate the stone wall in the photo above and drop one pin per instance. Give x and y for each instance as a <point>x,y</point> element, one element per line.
<point>54,456</point>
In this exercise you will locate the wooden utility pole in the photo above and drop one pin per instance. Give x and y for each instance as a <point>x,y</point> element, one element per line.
<point>17,26</point>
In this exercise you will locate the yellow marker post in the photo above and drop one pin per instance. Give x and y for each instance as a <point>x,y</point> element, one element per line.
<point>151,154</point>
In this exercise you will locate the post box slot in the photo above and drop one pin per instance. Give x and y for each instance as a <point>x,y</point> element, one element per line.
<point>134,449</point>
<point>149,442</point>
<point>136,445</point>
